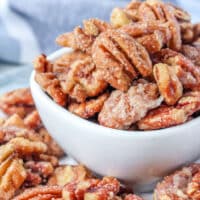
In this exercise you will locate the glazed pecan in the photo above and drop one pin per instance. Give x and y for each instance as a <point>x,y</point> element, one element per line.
<point>132,197</point>
<point>189,75</point>
<point>66,174</point>
<point>41,193</point>
<point>106,188</point>
<point>42,65</point>
<point>51,85</point>
<point>187,32</point>
<point>166,116</point>
<point>120,110</point>
<point>177,185</point>
<point>38,172</point>
<point>89,108</point>
<point>83,38</point>
<point>12,176</point>
<point>162,117</point>
<point>160,11</point>
<point>192,52</point>
<point>168,83</point>
<point>63,63</point>
<point>17,102</point>
<point>193,189</point>
<point>117,55</point>
<point>82,80</point>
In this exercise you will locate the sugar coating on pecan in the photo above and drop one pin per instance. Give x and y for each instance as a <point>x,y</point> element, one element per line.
<point>87,189</point>
<point>41,193</point>
<point>118,56</point>
<point>66,174</point>
<point>83,38</point>
<point>82,80</point>
<point>12,176</point>
<point>179,185</point>
<point>17,102</point>
<point>121,110</point>
<point>89,108</point>
<point>50,83</point>
<point>168,83</point>
<point>167,116</point>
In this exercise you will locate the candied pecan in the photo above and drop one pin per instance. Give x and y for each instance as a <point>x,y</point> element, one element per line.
<point>106,188</point>
<point>166,116</point>
<point>12,176</point>
<point>37,172</point>
<point>89,108</point>
<point>192,52</point>
<point>193,189</point>
<point>66,174</point>
<point>82,80</point>
<point>168,83</point>
<point>63,63</point>
<point>159,11</point>
<point>190,102</point>
<point>175,186</point>
<point>174,58</point>
<point>18,101</point>
<point>33,120</point>
<point>117,54</point>
<point>152,42</point>
<point>26,147</point>
<point>120,110</point>
<point>162,117</point>
<point>187,32</point>
<point>41,193</point>
<point>82,39</point>
<point>119,18</point>
<point>50,84</point>
<point>41,64</point>
<point>132,9</point>
<point>196,29</point>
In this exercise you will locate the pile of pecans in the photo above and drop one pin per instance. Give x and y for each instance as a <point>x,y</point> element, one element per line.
<point>29,160</point>
<point>30,169</point>
<point>141,71</point>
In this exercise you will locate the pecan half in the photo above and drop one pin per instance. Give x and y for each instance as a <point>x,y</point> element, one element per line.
<point>117,55</point>
<point>89,108</point>
<point>177,185</point>
<point>121,110</point>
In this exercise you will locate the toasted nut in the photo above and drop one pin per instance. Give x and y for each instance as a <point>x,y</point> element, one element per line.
<point>12,176</point>
<point>119,110</point>
<point>41,193</point>
<point>41,64</point>
<point>89,108</point>
<point>193,189</point>
<point>50,84</point>
<point>119,18</point>
<point>168,83</point>
<point>17,102</point>
<point>176,185</point>
<point>162,117</point>
<point>110,52</point>
<point>166,116</point>
<point>26,147</point>
<point>82,80</point>
<point>66,174</point>
<point>91,189</point>
<point>82,39</point>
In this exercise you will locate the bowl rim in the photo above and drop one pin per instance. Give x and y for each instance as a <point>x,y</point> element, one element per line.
<point>151,133</point>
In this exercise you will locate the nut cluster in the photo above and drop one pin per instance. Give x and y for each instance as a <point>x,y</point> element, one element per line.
<point>29,159</point>
<point>132,72</point>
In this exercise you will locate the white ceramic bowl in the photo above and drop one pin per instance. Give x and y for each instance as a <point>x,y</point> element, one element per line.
<point>137,158</point>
